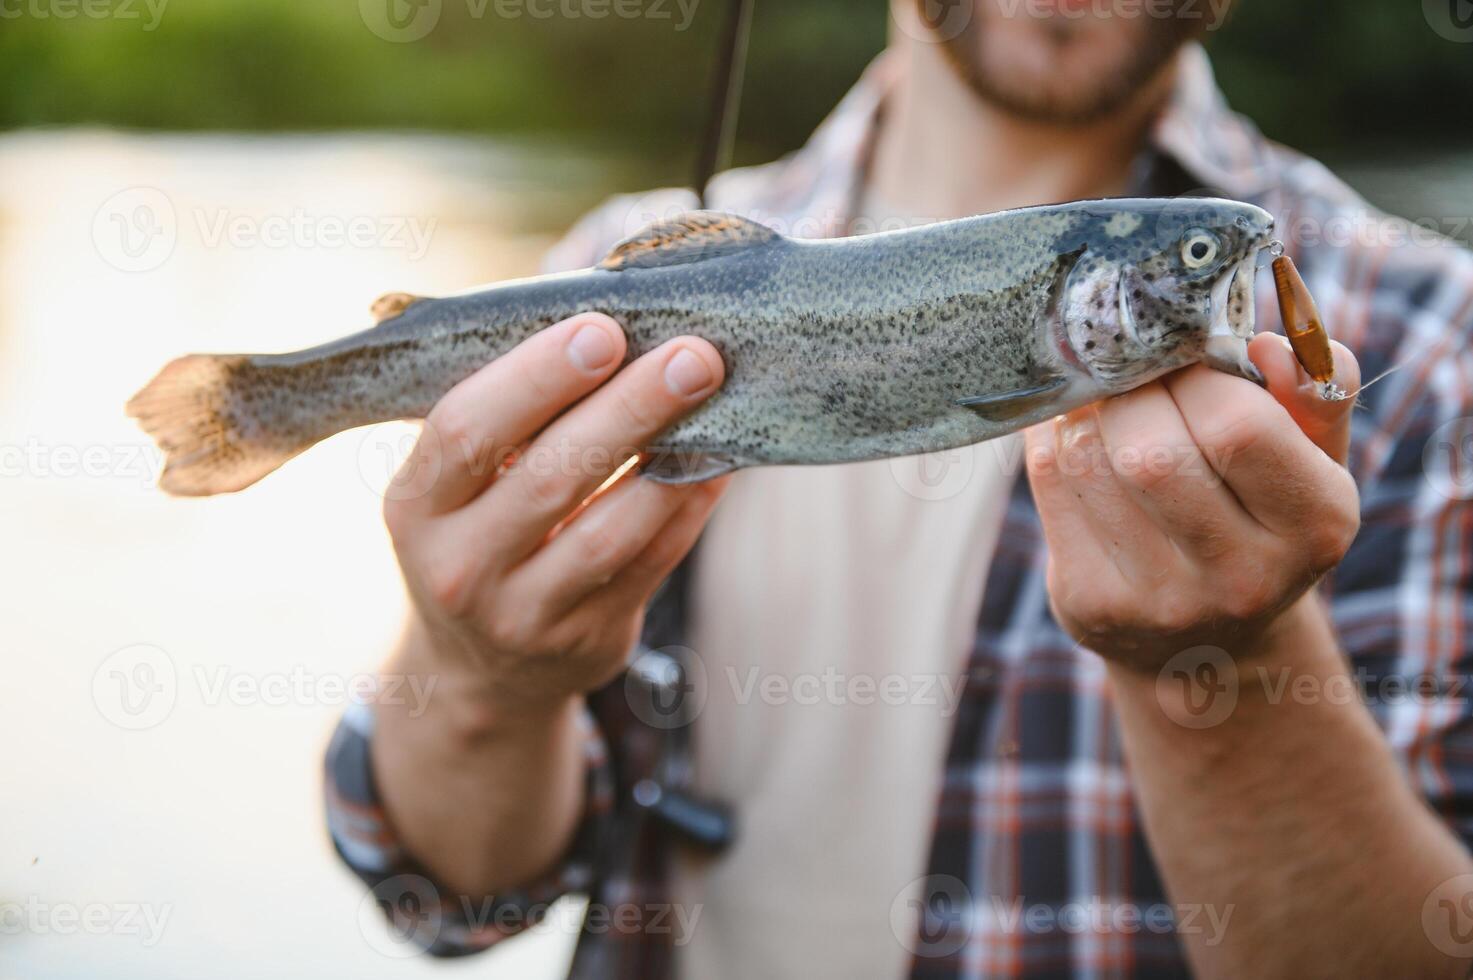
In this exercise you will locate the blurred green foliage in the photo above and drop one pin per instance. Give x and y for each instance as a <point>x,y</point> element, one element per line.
<point>1322,75</point>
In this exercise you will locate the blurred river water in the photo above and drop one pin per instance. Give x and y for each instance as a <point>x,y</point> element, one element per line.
<point>174,668</point>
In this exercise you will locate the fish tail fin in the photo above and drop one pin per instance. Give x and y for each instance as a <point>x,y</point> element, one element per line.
<point>191,411</point>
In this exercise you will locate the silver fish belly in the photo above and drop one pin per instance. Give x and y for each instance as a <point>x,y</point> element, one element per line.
<point>836,351</point>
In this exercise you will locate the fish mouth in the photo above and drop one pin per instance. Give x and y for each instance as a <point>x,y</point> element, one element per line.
<point>1234,320</point>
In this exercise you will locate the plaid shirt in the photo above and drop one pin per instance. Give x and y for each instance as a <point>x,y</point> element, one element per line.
<point>1036,809</point>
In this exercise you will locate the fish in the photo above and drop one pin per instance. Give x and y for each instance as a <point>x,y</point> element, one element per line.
<point>840,350</point>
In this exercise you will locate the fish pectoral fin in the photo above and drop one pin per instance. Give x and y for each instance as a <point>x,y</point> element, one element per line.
<point>675,468</point>
<point>1011,404</point>
<point>688,238</point>
<point>390,305</point>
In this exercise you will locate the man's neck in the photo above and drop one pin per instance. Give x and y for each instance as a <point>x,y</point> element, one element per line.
<point>943,152</point>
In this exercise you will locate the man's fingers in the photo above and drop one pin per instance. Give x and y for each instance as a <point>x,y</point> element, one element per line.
<point>636,584</point>
<point>479,422</point>
<point>1059,508</point>
<point>596,545</point>
<point>1326,423</point>
<point>570,458</point>
<point>1252,441</point>
<point>1101,508</point>
<point>1155,458</point>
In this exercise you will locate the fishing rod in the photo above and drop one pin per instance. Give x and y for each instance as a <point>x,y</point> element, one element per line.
<point>726,96</point>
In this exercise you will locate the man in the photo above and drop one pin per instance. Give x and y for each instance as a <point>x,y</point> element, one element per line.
<point>1098,721</point>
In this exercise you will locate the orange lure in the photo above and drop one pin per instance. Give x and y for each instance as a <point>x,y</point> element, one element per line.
<point>1305,330</point>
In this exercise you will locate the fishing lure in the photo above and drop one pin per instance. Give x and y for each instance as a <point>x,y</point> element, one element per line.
<point>1304,328</point>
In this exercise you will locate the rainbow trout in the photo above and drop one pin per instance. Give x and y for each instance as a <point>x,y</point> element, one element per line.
<point>850,349</point>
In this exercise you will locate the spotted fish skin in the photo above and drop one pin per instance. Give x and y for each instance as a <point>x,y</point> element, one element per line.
<point>836,351</point>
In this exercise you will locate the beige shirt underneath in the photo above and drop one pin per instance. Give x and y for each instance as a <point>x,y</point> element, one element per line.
<point>833,610</point>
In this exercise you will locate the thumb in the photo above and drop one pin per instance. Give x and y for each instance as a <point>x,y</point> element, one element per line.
<point>1326,423</point>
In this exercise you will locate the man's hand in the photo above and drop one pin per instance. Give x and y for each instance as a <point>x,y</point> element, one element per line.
<point>527,593</point>
<point>1196,509</point>
<point>1261,809</point>
<point>516,574</point>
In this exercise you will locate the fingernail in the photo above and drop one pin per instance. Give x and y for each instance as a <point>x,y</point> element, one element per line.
<point>687,374</point>
<point>591,348</point>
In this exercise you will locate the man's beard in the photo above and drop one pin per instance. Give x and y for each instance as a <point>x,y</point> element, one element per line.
<point>1051,98</point>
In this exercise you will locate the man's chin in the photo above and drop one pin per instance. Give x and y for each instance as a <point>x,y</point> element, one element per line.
<point>1073,76</point>
<point>1048,101</point>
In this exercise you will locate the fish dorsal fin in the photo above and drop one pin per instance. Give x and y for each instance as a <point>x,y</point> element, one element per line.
<point>688,238</point>
<point>390,305</point>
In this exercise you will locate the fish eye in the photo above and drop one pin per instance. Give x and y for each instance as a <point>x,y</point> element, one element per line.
<point>1199,248</point>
